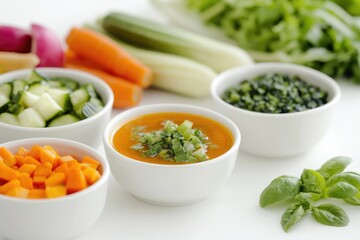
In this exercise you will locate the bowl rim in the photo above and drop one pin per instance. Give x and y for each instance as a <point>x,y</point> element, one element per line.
<point>51,140</point>
<point>172,107</point>
<point>325,79</point>
<point>76,73</point>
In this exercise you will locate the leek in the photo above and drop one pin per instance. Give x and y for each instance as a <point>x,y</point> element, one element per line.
<point>151,35</point>
<point>172,73</point>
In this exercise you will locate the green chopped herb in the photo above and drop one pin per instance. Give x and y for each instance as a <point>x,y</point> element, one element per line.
<point>177,143</point>
<point>275,93</point>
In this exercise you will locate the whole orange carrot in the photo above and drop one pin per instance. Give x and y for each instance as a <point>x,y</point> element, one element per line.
<point>104,52</point>
<point>126,94</point>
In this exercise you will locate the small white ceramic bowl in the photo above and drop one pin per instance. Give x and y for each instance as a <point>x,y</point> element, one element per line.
<point>277,135</point>
<point>87,131</point>
<point>170,185</point>
<point>59,218</point>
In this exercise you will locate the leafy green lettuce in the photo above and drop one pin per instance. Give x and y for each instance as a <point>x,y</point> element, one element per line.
<point>316,33</point>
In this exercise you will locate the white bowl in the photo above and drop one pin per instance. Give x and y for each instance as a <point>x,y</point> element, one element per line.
<point>87,131</point>
<point>277,135</point>
<point>170,185</point>
<point>58,218</point>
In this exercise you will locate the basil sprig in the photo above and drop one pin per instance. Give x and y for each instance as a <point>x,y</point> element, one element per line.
<point>327,182</point>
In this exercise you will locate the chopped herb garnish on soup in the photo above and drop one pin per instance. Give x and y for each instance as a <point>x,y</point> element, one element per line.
<point>275,93</point>
<point>178,143</point>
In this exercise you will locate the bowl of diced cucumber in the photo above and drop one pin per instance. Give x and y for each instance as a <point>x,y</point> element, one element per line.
<point>54,102</point>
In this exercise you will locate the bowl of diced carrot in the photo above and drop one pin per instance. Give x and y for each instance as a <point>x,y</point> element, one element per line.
<point>50,188</point>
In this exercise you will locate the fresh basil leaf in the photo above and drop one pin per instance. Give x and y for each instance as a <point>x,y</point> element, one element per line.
<point>349,177</point>
<point>342,190</point>
<point>343,185</point>
<point>292,215</point>
<point>280,189</point>
<point>355,201</point>
<point>329,214</point>
<point>334,165</point>
<point>312,181</point>
<point>306,199</point>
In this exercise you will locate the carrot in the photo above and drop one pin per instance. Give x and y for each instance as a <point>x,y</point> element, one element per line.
<point>18,192</point>
<point>72,58</point>
<point>27,168</point>
<point>55,191</point>
<point>91,175</point>
<point>9,185</point>
<point>7,156</point>
<point>55,179</point>
<point>126,94</point>
<point>47,155</point>
<point>109,55</point>
<point>25,181</point>
<point>75,180</point>
<point>37,193</point>
<point>7,173</point>
<point>92,162</point>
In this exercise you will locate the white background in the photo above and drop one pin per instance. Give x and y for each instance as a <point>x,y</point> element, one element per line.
<point>233,211</point>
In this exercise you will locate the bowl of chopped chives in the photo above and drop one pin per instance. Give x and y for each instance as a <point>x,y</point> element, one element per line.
<point>171,154</point>
<point>281,109</point>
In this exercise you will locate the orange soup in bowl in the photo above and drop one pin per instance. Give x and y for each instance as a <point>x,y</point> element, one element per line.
<point>172,138</point>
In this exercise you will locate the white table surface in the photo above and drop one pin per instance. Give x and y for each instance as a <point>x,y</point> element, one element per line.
<point>233,211</point>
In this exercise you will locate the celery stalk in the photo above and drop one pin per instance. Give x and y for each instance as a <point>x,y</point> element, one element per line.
<point>172,73</point>
<point>151,35</point>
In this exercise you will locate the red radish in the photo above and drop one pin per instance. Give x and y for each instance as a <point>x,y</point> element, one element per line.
<point>13,39</point>
<point>47,46</point>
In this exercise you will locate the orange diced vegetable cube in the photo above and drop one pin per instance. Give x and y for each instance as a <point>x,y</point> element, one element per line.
<point>44,170</point>
<point>55,191</point>
<point>9,185</point>
<point>39,182</point>
<point>55,179</point>
<point>62,168</point>
<point>47,155</point>
<point>92,162</point>
<point>18,192</point>
<point>31,160</point>
<point>73,164</point>
<point>26,181</point>
<point>75,180</point>
<point>67,158</point>
<point>35,152</point>
<point>22,152</point>
<point>7,173</point>
<point>37,193</point>
<point>27,168</point>
<point>20,160</point>
<point>7,156</point>
<point>91,175</point>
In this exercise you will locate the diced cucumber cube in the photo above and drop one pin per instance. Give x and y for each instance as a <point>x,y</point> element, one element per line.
<point>55,84</point>
<point>9,118</point>
<point>61,97</point>
<point>79,96</point>
<point>63,120</point>
<point>15,108</point>
<point>68,83</point>
<point>88,109</point>
<point>31,118</point>
<point>18,85</point>
<point>4,102</point>
<point>6,89</point>
<point>38,88</point>
<point>30,99</point>
<point>47,107</point>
